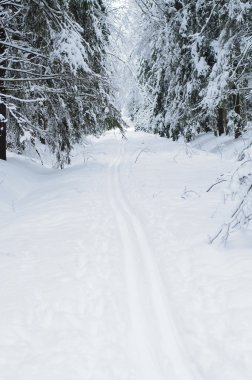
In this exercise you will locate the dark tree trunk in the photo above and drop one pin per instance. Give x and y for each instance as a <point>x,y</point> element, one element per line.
<point>3,144</point>
<point>237,109</point>
<point>3,113</point>
<point>237,104</point>
<point>221,120</point>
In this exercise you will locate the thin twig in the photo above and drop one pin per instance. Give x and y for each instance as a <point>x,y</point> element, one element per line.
<point>222,180</point>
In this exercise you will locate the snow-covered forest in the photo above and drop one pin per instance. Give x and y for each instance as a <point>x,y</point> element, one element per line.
<point>184,68</point>
<point>194,67</point>
<point>134,262</point>
<point>55,83</point>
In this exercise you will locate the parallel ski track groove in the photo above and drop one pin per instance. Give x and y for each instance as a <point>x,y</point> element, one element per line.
<point>154,339</point>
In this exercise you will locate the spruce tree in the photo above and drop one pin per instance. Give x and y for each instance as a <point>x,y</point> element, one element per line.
<point>197,60</point>
<point>58,88</point>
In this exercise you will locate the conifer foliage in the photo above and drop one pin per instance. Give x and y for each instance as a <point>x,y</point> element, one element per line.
<point>54,86</point>
<point>194,66</point>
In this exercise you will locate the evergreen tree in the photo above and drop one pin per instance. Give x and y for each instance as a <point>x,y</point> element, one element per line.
<point>59,88</point>
<point>197,59</point>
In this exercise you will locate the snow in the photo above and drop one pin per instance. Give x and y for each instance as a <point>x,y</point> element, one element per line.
<point>200,63</point>
<point>69,49</point>
<point>105,268</point>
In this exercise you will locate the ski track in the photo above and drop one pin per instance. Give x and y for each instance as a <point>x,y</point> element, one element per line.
<point>106,273</point>
<point>155,346</point>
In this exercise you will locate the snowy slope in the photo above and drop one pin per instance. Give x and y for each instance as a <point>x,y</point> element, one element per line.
<point>106,272</point>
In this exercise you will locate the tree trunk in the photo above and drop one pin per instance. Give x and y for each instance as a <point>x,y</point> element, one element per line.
<point>221,120</point>
<point>3,113</point>
<point>237,109</point>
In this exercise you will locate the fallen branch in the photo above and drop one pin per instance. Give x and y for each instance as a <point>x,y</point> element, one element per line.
<point>210,188</point>
<point>238,218</point>
<point>189,191</point>
<point>139,154</point>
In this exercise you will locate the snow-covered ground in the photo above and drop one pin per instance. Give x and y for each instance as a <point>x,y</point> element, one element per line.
<point>105,268</point>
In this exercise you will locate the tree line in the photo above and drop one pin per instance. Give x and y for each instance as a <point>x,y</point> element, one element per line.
<point>54,83</point>
<point>191,67</point>
<point>194,60</point>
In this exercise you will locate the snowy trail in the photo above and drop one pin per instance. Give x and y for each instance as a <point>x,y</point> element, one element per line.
<point>155,344</point>
<point>105,270</point>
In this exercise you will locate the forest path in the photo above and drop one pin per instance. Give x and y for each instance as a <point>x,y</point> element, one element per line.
<point>105,270</point>
<point>154,340</point>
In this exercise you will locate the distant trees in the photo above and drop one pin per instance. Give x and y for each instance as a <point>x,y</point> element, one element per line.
<point>54,86</point>
<point>2,103</point>
<point>195,66</point>
<point>192,63</point>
